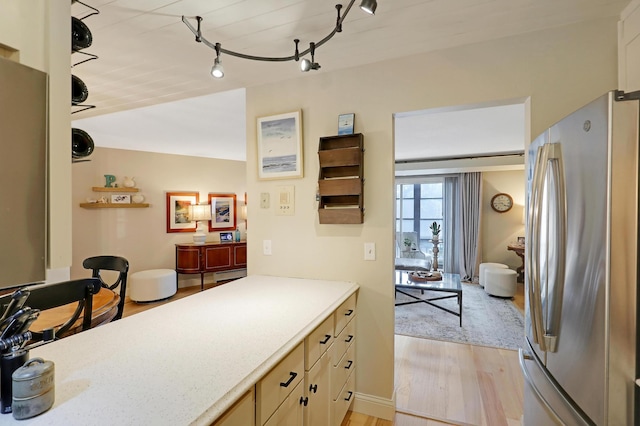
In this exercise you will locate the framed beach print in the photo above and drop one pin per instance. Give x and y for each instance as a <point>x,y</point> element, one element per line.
<point>178,211</point>
<point>280,146</point>
<point>223,212</point>
<point>345,124</point>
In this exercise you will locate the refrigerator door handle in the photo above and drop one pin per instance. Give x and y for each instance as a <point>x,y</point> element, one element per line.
<point>555,299</point>
<point>545,333</point>
<point>578,417</point>
<point>533,236</point>
<point>527,377</point>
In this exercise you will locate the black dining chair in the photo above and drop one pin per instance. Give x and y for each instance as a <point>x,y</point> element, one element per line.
<point>52,295</point>
<point>110,263</point>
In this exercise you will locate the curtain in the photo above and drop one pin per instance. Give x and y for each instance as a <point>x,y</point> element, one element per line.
<point>452,238</point>
<point>470,207</point>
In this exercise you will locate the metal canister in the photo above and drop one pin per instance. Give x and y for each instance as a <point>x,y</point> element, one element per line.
<point>33,388</point>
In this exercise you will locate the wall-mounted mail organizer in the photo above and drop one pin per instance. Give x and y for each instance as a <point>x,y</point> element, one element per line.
<point>341,179</point>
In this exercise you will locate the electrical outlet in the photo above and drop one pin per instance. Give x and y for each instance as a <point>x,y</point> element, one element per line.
<point>266,247</point>
<point>369,251</point>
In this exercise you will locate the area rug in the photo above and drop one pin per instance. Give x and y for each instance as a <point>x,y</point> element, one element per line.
<point>486,320</point>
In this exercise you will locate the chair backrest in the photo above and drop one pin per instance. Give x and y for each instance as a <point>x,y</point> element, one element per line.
<point>49,296</point>
<point>110,263</point>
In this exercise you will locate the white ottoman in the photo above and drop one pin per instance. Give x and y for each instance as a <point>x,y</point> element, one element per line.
<point>484,267</point>
<point>500,282</point>
<point>152,285</point>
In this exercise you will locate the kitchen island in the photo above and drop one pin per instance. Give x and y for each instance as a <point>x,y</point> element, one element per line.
<point>188,361</point>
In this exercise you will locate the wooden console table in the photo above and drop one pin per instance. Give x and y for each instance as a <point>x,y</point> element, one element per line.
<point>210,257</point>
<point>519,250</point>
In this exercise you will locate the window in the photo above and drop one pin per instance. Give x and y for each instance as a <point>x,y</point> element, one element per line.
<point>418,205</point>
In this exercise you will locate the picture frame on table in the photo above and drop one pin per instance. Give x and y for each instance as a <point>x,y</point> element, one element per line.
<point>521,241</point>
<point>280,146</point>
<point>178,211</point>
<point>223,212</point>
<point>345,123</point>
<point>226,237</point>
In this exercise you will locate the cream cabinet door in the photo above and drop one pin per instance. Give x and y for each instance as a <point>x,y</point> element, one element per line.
<point>290,412</point>
<point>241,414</point>
<point>318,393</point>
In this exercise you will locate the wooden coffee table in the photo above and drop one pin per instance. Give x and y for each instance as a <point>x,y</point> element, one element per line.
<point>450,283</point>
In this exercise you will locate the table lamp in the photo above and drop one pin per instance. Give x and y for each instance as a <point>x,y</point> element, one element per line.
<point>200,213</point>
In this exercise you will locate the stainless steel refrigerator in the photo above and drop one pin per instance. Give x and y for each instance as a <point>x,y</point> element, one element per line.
<point>579,360</point>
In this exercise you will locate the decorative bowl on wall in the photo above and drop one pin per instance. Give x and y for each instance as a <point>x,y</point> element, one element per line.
<point>81,37</point>
<point>79,91</point>
<point>81,143</point>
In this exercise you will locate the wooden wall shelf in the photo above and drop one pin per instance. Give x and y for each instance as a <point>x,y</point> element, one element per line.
<point>123,189</point>
<point>113,206</point>
<point>341,179</point>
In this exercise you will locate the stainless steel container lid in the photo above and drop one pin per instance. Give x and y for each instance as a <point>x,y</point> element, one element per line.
<point>35,367</point>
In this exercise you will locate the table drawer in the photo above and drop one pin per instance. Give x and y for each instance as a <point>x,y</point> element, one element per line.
<point>343,341</point>
<point>341,405</point>
<point>344,313</point>
<point>342,370</point>
<point>318,342</point>
<point>273,388</point>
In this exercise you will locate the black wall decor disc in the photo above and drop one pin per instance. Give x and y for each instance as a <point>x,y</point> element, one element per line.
<point>81,37</point>
<point>79,91</point>
<point>81,143</point>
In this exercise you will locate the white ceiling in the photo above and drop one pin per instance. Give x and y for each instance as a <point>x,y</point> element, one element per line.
<point>148,57</point>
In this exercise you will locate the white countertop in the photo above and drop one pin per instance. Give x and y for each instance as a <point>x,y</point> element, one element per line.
<point>187,361</point>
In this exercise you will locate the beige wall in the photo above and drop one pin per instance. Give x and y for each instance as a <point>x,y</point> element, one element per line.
<point>500,229</point>
<point>140,235</point>
<point>41,33</point>
<point>559,69</point>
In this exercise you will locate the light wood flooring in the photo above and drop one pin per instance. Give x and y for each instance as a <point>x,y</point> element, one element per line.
<point>437,383</point>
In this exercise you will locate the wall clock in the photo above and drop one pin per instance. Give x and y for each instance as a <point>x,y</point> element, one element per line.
<point>501,202</point>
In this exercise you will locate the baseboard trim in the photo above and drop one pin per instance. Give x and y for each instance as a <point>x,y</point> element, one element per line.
<point>375,406</point>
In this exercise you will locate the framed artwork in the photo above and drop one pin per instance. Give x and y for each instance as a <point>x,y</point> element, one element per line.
<point>345,124</point>
<point>521,240</point>
<point>178,211</point>
<point>280,146</point>
<point>223,212</point>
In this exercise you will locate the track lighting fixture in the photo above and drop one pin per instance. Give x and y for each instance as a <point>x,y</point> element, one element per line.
<point>217,71</point>
<point>306,64</point>
<point>369,6</point>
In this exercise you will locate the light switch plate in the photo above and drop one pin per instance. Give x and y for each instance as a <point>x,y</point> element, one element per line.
<point>369,251</point>
<point>264,200</point>
<point>286,200</point>
<point>266,247</point>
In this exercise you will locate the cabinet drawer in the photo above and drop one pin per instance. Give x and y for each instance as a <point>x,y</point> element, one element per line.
<point>343,341</point>
<point>273,388</point>
<point>290,413</point>
<point>317,343</point>
<point>341,372</point>
<point>344,313</point>
<point>341,405</point>
<point>241,414</point>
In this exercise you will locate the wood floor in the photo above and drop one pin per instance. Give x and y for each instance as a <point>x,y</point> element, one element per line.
<point>437,383</point>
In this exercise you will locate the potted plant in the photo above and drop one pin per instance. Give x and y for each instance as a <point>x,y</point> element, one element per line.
<point>435,231</point>
<point>407,244</point>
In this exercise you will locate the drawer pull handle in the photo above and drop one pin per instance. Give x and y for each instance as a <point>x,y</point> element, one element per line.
<point>349,339</point>
<point>348,313</point>
<point>304,401</point>
<point>313,388</point>
<point>349,364</point>
<point>349,397</point>
<point>326,339</point>
<point>293,376</point>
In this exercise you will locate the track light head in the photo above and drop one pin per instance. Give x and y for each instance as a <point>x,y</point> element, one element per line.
<point>217,70</point>
<point>369,6</point>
